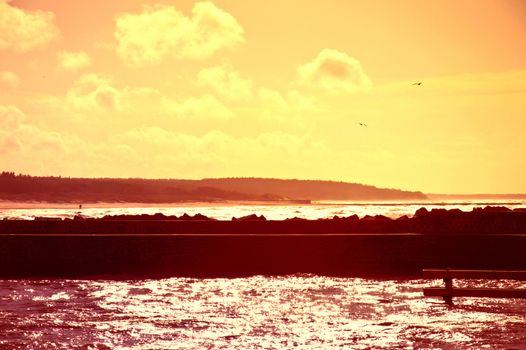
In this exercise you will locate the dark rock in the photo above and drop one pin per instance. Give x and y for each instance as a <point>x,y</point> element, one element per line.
<point>498,209</point>
<point>421,212</point>
<point>353,218</point>
<point>200,216</point>
<point>438,212</point>
<point>456,211</point>
<point>381,218</point>
<point>252,217</point>
<point>43,218</point>
<point>296,219</point>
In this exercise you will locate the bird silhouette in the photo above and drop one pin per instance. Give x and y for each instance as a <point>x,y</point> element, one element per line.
<point>362,124</point>
<point>418,83</point>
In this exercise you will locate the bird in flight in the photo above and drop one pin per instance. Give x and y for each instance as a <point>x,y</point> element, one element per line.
<point>418,83</point>
<point>362,124</point>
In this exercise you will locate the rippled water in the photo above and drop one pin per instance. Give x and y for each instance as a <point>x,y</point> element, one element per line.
<point>304,311</point>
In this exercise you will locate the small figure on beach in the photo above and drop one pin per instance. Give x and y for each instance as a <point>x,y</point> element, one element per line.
<point>80,206</point>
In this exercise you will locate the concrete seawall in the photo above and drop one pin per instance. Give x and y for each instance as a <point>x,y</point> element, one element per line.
<point>122,249</point>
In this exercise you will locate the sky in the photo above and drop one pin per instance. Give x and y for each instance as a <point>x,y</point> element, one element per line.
<point>282,89</point>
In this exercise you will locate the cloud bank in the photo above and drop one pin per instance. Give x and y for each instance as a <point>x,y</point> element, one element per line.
<point>23,31</point>
<point>334,71</point>
<point>225,82</point>
<point>161,32</point>
<point>73,60</point>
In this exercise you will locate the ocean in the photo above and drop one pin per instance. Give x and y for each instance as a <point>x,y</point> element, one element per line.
<point>225,211</point>
<point>259,312</point>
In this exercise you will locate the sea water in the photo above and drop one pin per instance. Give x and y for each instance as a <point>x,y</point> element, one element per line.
<point>225,210</point>
<point>258,312</point>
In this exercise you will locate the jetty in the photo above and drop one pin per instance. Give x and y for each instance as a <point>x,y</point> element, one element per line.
<point>160,246</point>
<point>450,291</point>
<point>155,246</point>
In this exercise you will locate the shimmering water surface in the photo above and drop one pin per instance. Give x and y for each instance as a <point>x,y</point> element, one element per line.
<point>225,211</point>
<point>307,312</point>
<point>259,312</point>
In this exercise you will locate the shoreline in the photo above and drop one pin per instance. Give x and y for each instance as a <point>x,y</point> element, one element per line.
<point>32,204</point>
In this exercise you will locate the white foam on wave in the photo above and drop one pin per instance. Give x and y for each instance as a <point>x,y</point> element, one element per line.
<point>225,211</point>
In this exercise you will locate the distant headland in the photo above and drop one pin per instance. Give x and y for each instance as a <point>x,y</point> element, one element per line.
<point>18,187</point>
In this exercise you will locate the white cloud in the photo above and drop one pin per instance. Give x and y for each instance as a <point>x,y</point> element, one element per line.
<point>159,140</point>
<point>301,102</point>
<point>173,154</point>
<point>161,31</point>
<point>213,29</point>
<point>94,92</point>
<point>225,82</point>
<point>201,108</point>
<point>73,60</point>
<point>9,80</point>
<point>10,117</point>
<point>14,129</point>
<point>293,106</point>
<point>23,30</point>
<point>335,72</point>
<point>34,149</point>
<point>272,100</point>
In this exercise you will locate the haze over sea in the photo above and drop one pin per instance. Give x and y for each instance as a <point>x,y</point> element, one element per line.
<point>259,312</point>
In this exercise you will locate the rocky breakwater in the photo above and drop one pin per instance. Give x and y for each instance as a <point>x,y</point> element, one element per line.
<point>161,246</point>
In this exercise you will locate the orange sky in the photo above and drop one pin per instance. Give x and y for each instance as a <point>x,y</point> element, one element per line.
<point>190,89</point>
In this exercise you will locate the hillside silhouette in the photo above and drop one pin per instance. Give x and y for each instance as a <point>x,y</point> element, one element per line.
<point>63,189</point>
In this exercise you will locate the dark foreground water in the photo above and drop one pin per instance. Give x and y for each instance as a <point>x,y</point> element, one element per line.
<point>299,311</point>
